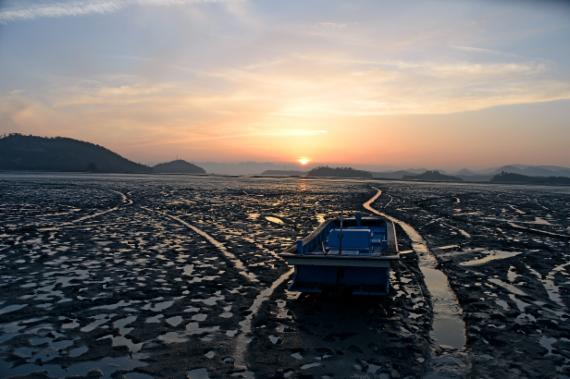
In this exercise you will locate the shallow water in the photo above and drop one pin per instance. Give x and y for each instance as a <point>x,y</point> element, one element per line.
<point>448,327</point>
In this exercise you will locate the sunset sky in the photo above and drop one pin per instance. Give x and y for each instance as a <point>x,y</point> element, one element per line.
<point>445,84</point>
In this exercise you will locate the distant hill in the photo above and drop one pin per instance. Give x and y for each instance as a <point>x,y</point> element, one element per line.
<point>178,167</point>
<point>341,172</point>
<point>433,176</point>
<point>19,152</point>
<point>283,173</point>
<point>244,168</point>
<point>547,171</point>
<point>512,178</point>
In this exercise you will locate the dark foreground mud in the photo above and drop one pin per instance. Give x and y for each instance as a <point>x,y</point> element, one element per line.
<point>506,253</point>
<point>181,277</point>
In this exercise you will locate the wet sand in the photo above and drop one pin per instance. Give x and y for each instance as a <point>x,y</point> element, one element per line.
<point>158,276</point>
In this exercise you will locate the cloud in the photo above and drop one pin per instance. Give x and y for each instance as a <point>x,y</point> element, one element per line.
<point>481,50</point>
<point>329,86</point>
<point>267,96</point>
<point>28,10</point>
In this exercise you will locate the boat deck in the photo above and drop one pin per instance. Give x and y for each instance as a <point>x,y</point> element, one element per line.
<point>354,254</point>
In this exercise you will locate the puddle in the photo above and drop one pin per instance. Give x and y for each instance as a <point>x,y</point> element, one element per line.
<point>198,373</point>
<point>254,216</point>
<point>547,343</point>
<point>275,220</point>
<point>12,308</point>
<point>507,286</point>
<point>492,255</point>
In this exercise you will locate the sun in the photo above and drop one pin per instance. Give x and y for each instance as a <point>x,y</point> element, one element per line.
<point>303,161</point>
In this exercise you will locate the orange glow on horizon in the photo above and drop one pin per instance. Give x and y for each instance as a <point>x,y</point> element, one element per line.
<point>303,161</point>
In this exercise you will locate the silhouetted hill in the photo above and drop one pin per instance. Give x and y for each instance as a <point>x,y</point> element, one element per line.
<point>19,152</point>
<point>547,171</point>
<point>433,176</point>
<point>512,178</point>
<point>341,172</point>
<point>178,167</point>
<point>283,173</point>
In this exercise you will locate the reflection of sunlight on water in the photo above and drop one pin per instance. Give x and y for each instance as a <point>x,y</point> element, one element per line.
<point>302,185</point>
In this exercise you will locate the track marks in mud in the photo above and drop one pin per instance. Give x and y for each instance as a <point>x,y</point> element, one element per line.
<point>235,261</point>
<point>125,200</point>
<point>244,338</point>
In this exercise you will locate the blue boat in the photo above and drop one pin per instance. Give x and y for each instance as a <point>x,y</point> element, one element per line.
<point>349,255</point>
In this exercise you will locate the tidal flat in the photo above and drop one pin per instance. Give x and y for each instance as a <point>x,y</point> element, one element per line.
<point>142,276</point>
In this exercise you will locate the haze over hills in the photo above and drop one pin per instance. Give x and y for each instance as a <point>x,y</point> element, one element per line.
<point>245,168</point>
<point>19,152</point>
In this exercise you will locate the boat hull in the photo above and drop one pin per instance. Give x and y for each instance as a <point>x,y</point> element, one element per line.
<point>354,274</point>
<point>367,281</point>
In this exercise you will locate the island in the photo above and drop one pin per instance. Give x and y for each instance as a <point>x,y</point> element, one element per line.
<point>433,176</point>
<point>512,178</point>
<point>178,166</point>
<point>338,172</point>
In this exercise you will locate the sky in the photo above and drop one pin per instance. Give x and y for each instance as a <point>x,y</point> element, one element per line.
<point>436,84</point>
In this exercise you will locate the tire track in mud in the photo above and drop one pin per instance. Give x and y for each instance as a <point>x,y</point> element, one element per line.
<point>125,200</point>
<point>235,261</point>
<point>448,327</point>
<point>514,225</point>
<point>552,289</point>
<point>244,337</point>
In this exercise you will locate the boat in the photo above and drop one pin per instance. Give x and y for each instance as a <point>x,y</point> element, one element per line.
<point>352,255</point>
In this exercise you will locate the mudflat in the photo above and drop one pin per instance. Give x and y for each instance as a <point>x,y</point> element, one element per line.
<point>178,276</point>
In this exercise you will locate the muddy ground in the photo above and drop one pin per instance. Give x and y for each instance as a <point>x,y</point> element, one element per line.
<point>164,276</point>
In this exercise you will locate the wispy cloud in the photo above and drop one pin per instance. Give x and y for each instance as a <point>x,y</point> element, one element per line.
<point>27,10</point>
<point>482,50</point>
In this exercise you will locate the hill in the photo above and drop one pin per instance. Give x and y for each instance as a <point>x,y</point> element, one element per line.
<point>178,166</point>
<point>433,176</point>
<point>340,172</point>
<point>546,171</point>
<point>512,178</point>
<point>19,152</point>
